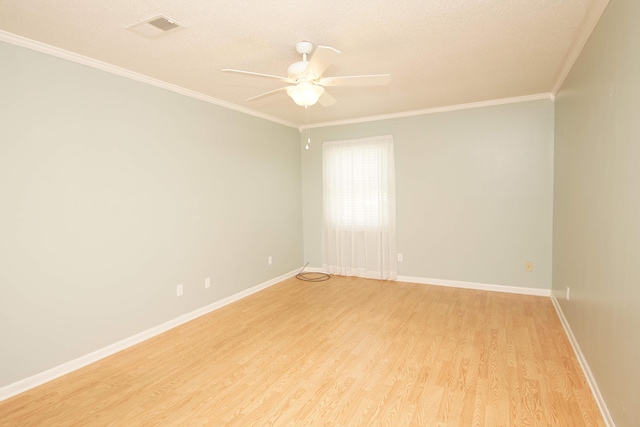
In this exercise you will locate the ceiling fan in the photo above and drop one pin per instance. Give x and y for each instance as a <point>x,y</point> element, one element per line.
<point>307,79</point>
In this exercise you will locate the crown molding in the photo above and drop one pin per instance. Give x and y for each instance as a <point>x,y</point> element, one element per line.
<point>490,103</point>
<point>122,72</point>
<point>590,22</point>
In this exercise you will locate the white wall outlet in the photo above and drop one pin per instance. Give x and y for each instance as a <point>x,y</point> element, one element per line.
<point>179,290</point>
<point>568,293</point>
<point>207,282</point>
<point>400,257</point>
<point>270,260</point>
<point>528,266</point>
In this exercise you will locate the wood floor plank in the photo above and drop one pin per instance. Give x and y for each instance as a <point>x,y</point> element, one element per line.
<point>347,352</point>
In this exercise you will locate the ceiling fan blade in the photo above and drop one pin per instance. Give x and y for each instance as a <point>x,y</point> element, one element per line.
<point>321,60</point>
<point>251,73</point>
<point>364,80</point>
<point>326,100</point>
<point>271,92</point>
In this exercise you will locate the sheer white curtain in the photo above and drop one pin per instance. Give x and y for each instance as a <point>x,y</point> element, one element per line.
<point>359,208</point>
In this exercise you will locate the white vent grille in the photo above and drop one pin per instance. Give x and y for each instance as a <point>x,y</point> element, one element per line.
<point>156,26</point>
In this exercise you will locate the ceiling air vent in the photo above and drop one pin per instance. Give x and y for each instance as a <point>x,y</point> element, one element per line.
<point>156,26</point>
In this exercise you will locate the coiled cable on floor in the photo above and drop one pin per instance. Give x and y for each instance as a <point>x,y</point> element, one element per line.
<point>312,277</point>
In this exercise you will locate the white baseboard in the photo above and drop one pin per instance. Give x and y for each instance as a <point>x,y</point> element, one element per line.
<point>68,367</point>
<point>461,284</point>
<point>606,415</point>
<point>477,286</point>
<point>75,364</point>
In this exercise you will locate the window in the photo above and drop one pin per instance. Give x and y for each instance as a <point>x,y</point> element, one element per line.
<point>354,187</point>
<point>359,207</point>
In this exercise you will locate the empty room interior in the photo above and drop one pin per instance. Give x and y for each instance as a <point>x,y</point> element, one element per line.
<point>175,248</point>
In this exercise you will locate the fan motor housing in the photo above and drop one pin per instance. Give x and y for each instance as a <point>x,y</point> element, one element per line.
<point>296,70</point>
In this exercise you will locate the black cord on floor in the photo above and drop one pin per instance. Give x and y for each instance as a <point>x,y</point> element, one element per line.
<point>312,277</point>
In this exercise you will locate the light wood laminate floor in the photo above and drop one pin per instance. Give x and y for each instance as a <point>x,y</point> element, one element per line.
<point>346,352</point>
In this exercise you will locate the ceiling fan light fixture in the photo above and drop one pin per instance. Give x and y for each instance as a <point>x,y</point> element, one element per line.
<point>307,78</point>
<point>305,94</point>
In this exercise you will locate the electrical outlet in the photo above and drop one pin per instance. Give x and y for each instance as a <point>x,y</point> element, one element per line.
<point>207,283</point>
<point>270,260</point>
<point>179,290</point>
<point>400,257</point>
<point>568,293</point>
<point>529,267</point>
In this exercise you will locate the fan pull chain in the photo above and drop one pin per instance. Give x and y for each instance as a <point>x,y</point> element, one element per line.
<point>306,147</point>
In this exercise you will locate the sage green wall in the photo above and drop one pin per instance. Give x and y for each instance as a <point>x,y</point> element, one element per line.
<point>596,244</point>
<point>113,192</point>
<point>473,190</point>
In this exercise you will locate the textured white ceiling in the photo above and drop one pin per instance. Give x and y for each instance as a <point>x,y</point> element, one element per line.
<point>438,52</point>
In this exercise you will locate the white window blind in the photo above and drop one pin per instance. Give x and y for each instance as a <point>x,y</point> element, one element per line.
<point>359,207</point>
